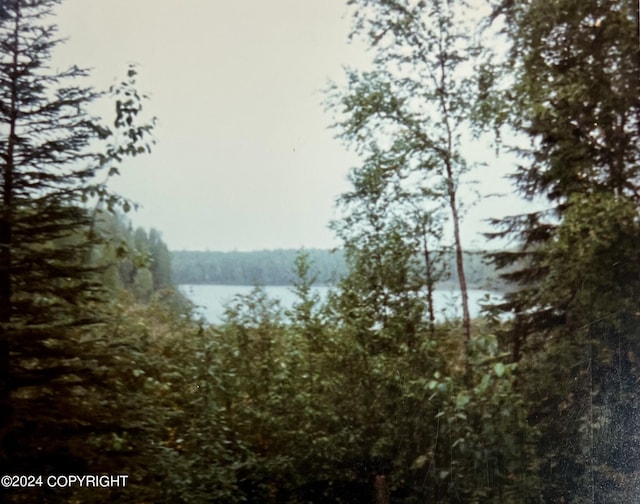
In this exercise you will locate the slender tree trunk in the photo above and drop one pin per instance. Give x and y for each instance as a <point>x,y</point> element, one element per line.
<point>464,291</point>
<point>466,319</point>
<point>429,280</point>
<point>451,180</point>
<point>6,241</point>
<point>5,319</point>
<point>380,490</point>
<point>455,217</point>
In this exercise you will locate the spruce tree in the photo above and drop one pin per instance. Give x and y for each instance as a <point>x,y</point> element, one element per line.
<point>573,91</point>
<point>577,97</point>
<point>48,289</point>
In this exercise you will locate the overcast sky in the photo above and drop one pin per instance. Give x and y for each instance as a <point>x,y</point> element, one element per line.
<point>244,158</point>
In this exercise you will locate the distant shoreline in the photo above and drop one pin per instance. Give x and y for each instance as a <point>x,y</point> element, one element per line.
<point>441,286</point>
<point>277,268</point>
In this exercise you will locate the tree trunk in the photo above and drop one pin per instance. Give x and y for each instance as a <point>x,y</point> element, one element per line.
<point>451,180</point>
<point>462,279</point>
<point>6,225</point>
<point>380,490</point>
<point>429,280</point>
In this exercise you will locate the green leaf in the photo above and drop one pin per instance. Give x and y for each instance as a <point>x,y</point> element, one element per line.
<point>419,462</point>
<point>483,384</point>
<point>498,368</point>
<point>462,400</point>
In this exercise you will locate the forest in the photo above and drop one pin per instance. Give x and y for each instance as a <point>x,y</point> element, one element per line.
<point>277,267</point>
<point>362,397</point>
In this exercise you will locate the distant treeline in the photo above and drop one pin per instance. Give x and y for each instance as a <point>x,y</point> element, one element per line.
<point>263,267</point>
<point>275,267</point>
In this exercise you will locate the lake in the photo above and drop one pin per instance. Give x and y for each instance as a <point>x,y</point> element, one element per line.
<point>211,299</point>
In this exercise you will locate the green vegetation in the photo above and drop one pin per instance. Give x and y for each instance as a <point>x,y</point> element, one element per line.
<point>55,158</point>
<point>265,267</point>
<point>574,66</point>
<point>361,397</point>
<point>276,267</point>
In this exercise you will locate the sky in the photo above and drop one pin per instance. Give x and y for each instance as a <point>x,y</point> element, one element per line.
<point>245,158</point>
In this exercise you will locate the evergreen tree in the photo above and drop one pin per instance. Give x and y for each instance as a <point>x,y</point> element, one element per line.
<point>573,90</point>
<point>161,260</point>
<point>48,288</point>
<point>577,97</point>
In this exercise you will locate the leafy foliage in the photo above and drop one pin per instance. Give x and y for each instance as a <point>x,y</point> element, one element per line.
<point>362,397</point>
<point>408,116</point>
<point>573,74</point>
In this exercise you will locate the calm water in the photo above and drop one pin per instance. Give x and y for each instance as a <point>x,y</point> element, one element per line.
<point>211,299</point>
